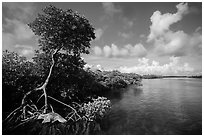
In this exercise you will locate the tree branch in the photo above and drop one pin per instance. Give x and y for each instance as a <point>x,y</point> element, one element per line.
<point>43,87</point>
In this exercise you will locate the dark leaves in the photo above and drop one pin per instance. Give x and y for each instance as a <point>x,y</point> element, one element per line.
<point>62,29</point>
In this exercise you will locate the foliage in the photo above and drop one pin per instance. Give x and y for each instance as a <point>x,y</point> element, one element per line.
<point>114,79</point>
<point>17,70</point>
<point>68,34</point>
<point>151,76</point>
<point>160,76</point>
<point>96,109</point>
<point>57,67</point>
<point>18,76</point>
<point>63,29</point>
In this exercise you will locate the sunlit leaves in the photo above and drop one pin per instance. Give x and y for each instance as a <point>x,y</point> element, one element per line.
<point>96,109</point>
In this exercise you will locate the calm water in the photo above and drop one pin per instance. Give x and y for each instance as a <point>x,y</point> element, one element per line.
<point>160,106</point>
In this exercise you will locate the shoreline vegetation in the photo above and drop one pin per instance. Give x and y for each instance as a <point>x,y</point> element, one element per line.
<point>54,93</point>
<point>160,77</point>
<point>86,98</point>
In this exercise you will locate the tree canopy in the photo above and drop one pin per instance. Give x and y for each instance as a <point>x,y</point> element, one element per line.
<point>63,29</point>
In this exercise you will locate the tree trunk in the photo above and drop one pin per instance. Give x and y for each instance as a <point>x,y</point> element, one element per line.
<point>47,80</point>
<point>43,87</point>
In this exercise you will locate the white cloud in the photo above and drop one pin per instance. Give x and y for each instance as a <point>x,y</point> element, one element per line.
<point>174,67</point>
<point>127,51</point>
<point>107,51</point>
<point>161,23</point>
<point>137,50</point>
<point>110,8</point>
<point>98,33</point>
<point>168,42</point>
<point>97,50</point>
<point>24,50</point>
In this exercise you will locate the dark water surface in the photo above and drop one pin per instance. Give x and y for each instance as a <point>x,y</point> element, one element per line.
<point>160,106</point>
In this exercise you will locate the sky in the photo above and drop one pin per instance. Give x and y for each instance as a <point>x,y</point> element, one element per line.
<point>132,37</point>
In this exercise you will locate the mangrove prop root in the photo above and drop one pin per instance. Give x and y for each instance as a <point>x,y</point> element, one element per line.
<point>43,87</point>
<point>74,110</point>
<point>13,112</point>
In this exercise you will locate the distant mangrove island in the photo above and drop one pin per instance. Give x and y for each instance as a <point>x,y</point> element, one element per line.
<point>160,76</point>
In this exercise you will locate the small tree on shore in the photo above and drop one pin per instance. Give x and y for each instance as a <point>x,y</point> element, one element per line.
<point>65,32</point>
<point>63,35</point>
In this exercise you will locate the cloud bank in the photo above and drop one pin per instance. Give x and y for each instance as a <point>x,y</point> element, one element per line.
<point>174,67</point>
<point>126,51</point>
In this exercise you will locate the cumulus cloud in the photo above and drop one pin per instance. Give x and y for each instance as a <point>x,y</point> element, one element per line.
<point>174,67</point>
<point>98,33</point>
<point>25,50</point>
<point>97,50</point>
<point>107,51</point>
<point>127,51</point>
<point>168,42</point>
<point>110,8</point>
<point>161,23</point>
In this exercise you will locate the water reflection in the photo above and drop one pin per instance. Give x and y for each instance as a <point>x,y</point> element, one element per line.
<point>158,107</point>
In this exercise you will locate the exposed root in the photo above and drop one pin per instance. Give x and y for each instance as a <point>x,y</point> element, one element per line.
<point>43,87</point>
<point>75,114</point>
<point>13,113</point>
<point>52,108</point>
<point>27,112</point>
